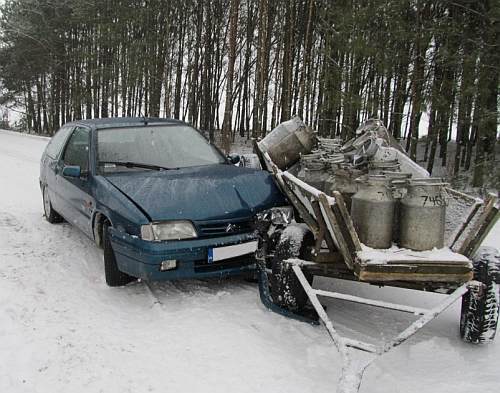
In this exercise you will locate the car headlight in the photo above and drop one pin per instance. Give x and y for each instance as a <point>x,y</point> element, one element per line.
<point>168,230</point>
<point>277,215</point>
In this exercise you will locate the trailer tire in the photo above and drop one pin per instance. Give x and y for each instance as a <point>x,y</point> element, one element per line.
<point>480,308</point>
<point>286,290</point>
<point>114,277</point>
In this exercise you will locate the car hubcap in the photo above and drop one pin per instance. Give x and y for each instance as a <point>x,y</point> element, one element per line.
<point>46,202</point>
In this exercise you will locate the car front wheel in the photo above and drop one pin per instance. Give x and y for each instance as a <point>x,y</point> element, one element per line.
<point>114,277</point>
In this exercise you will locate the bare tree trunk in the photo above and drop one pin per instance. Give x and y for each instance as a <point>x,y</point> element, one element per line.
<point>228,109</point>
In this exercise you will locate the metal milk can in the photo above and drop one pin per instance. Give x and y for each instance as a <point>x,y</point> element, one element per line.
<point>423,211</point>
<point>378,167</point>
<point>287,142</point>
<point>372,211</point>
<point>343,180</point>
<point>313,172</point>
<point>399,182</point>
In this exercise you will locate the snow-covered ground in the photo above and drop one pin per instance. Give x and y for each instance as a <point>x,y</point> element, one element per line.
<point>63,330</point>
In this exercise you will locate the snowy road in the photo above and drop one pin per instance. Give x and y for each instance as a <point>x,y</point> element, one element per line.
<point>63,330</point>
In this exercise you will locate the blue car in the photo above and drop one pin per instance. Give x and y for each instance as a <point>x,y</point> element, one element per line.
<point>160,200</point>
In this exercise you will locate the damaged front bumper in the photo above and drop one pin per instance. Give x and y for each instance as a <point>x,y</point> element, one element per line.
<point>142,259</point>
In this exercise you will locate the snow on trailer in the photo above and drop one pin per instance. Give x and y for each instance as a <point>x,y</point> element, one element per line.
<point>334,240</point>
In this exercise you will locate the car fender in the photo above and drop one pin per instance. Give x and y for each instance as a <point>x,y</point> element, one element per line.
<point>117,208</point>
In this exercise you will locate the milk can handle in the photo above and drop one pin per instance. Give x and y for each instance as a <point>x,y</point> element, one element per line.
<point>399,182</point>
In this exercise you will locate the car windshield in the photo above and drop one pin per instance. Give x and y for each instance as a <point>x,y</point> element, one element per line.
<point>166,146</point>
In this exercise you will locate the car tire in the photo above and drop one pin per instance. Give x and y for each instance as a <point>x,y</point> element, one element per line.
<point>114,277</point>
<point>286,289</point>
<point>480,307</point>
<point>50,214</point>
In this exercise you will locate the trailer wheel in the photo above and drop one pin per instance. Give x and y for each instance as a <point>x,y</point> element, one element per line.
<point>480,306</point>
<point>286,290</point>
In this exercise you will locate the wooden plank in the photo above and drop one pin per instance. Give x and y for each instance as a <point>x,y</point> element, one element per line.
<point>303,212</point>
<point>459,194</point>
<point>414,277</point>
<point>325,234</point>
<point>415,267</point>
<point>436,272</point>
<point>333,270</point>
<point>481,228</point>
<point>278,175</point>
<point>420,262</point>
<point>335,231</point>
<point>302,194</point>
<point>345,231</point>
<point>307,189</point>
<point>460,230</point>
<point>475,204</point>
<point>347,220</point>
<point>269,164</point>
<point>308,196</point>
<point>322,230</point>
<point>328,257</point>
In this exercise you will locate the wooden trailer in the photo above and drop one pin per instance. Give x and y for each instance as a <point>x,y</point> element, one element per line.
<point>335,251</point>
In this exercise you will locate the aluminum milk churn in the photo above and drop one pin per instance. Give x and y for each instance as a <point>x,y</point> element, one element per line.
<point>313,171</point>
<point>343,180</point>
<point>399,182</point>
<point>287,142</point>
<point>378,167</point>
<point>372,211</point>
<point>423,211</point>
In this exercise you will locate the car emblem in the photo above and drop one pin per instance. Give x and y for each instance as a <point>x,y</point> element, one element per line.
<point>231,228</point>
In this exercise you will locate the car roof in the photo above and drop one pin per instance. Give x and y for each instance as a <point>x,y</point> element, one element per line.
<point>113,122</point>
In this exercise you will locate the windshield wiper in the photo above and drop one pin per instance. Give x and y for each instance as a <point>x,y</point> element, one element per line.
<point>130,164</point>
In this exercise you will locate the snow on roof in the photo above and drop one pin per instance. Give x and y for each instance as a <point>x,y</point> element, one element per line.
<point>124,121</point>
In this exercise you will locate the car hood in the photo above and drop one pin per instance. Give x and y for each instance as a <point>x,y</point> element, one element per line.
<point>214,192</point>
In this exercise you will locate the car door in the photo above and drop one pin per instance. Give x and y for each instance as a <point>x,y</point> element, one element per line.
<point>49,163</point>
<point>75,192</point>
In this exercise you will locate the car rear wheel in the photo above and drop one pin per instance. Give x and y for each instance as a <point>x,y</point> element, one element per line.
<point>50,214</point>
<point>114,277</point>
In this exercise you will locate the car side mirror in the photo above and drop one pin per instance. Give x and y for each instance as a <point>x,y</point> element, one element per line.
<point>72,171</point>
<point>233,158</point>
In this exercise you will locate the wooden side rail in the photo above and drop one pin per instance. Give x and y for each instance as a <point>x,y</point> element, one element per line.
<point>331,217</point>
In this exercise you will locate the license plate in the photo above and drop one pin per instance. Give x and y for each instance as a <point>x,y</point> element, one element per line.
<point>236,250</point>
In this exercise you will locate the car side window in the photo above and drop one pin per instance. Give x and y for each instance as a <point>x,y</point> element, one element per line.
<point>56,143</point>
<point>77,149</point>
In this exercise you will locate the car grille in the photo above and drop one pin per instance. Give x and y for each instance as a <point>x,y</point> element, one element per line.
<point>205,267</point>
<point>224,228</point>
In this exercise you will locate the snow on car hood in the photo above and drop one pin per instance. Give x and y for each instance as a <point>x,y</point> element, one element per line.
<point>200,193</point>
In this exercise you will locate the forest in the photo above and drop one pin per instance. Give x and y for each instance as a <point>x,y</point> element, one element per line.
<point>240,67</point>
